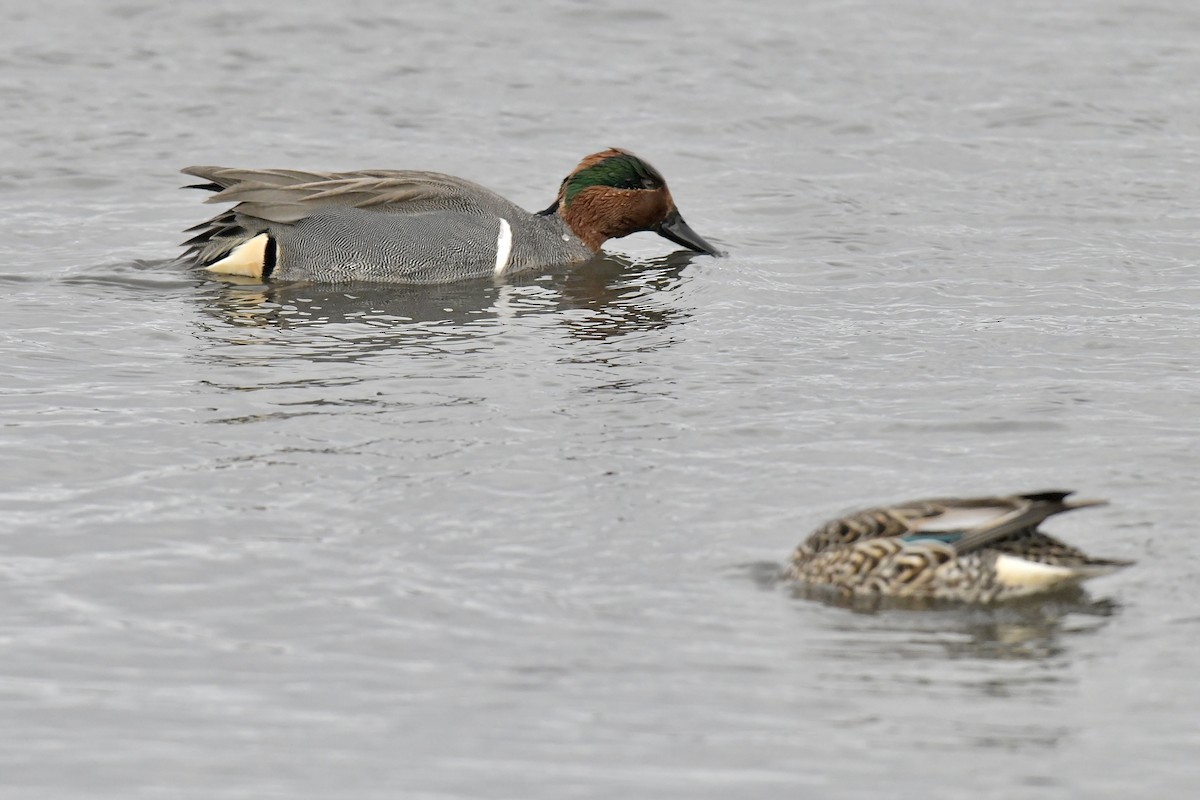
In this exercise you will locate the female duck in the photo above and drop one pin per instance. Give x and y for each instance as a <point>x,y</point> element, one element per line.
<point>975,550</point>
<point>422,227</point>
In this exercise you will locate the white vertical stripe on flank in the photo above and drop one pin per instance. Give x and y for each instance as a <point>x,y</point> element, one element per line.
<point>503,246</point>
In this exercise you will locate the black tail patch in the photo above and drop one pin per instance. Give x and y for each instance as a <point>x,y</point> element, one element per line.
<point>270,257</point>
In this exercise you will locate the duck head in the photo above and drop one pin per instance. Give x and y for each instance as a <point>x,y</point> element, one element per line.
<point>613,194</point>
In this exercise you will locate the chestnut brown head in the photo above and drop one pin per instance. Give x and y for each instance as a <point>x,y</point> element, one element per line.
<point>613,194</point>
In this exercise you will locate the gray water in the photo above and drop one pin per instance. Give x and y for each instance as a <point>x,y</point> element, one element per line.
<point>514,541</point>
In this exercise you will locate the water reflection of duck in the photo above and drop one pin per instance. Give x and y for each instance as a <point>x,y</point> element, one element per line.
<point>976,550</point>
<point>393,226</point>
<point>612,295</point>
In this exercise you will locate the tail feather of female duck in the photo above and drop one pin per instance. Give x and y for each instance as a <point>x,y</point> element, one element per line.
<point>1035,508</point>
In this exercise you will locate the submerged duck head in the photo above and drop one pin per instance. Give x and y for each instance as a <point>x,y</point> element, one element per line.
<point>613,194</point>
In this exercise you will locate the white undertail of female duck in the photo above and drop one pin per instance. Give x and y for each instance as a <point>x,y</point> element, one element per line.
<point>1032,576</point>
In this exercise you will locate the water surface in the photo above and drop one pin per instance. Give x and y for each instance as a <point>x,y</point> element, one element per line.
<point>513,541</point>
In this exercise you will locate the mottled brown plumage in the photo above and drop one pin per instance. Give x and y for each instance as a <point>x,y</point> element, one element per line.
<point>975,550</point>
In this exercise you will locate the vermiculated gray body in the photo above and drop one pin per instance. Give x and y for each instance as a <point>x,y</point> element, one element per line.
<point>377,225</point>
<point>349,244</point>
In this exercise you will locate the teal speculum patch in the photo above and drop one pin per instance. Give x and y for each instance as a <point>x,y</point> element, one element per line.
<point>944,538</point>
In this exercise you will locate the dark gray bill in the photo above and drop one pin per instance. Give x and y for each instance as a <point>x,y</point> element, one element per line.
<point>675,229</point>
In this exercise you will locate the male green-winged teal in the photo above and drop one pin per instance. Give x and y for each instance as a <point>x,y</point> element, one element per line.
<point>973,550</point>
<point>422,227</point>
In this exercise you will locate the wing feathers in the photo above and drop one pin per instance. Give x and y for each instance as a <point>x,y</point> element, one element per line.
<point>263,197</point>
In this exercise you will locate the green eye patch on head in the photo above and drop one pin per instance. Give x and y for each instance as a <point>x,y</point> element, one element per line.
<point>623,171</point>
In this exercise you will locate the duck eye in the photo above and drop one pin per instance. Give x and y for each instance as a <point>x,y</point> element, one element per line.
<point>649,183</point>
